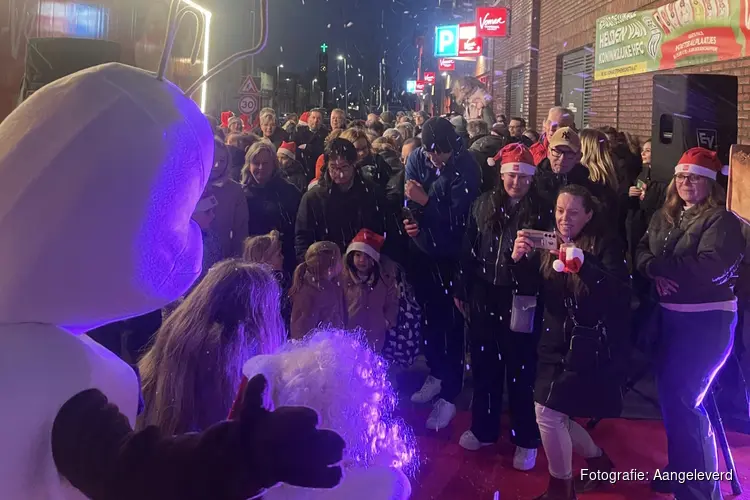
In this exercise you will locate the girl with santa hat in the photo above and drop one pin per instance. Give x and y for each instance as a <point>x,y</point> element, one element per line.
<point>499,351</point>
<point>583,346</point>
<point>691,253</point>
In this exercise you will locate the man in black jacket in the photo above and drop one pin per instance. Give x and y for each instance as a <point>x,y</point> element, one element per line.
<point>562,166</point>
<point>311,141</point>
<point>340,205</point>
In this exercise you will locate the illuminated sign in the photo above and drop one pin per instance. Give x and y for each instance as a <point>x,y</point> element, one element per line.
<point>469,44</point>
<point>446,41</point>
<point>411,86</point>
<point>420,86</point>
<point>492,21</point>
<point>447,65</point>
<point>429,77</point>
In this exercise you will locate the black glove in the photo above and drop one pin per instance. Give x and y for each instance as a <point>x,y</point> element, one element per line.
<point>96,450</point>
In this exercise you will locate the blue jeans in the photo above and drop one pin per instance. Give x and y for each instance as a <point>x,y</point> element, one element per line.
<point>694,347</point>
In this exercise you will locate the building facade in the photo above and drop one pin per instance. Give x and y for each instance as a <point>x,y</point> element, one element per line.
<point>548,60</point>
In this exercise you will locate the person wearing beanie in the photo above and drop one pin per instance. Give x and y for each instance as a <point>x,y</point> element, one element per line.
<point>370,288</point>
<point>485,293</point>
<point>291,169</point>
<point>691,253</point>
<point>562,166</point>
<point>442,182</point>
<point>235,125</point>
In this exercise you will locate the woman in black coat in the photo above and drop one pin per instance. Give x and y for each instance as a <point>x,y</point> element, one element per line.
<point>583,347</point>
<point>271,200</point>
<point>485,294</point>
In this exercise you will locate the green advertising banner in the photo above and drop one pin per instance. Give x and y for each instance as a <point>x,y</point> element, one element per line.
<point>681,33</point>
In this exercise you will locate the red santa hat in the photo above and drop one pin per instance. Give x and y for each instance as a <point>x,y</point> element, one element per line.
<point>245,122</point>
<point>225,116</point>
<point>701,161</point>
<point>539,151</point>
<point>514,158</point>
<point>569,261</point>
<point>288,149</point>
<point>368,242</point>
<point>303,119</point>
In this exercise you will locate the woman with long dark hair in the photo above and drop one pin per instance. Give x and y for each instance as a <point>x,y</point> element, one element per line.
<point>691,252</point>
<point>486,294</point>
<point>192,372</point>
<point>583,346</point>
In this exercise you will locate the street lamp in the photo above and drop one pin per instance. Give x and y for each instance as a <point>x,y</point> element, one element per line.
<point>278,85</point>
<point>346,85</point>
<point>312,90</point>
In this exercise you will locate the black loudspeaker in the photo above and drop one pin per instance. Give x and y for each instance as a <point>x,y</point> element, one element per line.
<point>690,111</point>
<point>48,59</point>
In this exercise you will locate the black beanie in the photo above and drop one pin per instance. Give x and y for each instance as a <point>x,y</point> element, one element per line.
<point>439,136</point>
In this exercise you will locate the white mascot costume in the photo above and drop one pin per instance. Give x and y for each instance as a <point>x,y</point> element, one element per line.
<point>99,174</point>
<point>339,376</point>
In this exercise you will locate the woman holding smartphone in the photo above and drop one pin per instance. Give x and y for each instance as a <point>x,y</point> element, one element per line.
<point>486,295</point>
<point>583,347</point>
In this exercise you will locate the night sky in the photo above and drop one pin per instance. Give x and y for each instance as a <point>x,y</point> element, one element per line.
<point>361,29</point>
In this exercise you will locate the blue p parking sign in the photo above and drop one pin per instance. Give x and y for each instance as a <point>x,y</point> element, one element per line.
<point>446,41</point>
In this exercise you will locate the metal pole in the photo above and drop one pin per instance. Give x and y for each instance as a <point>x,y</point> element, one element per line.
<point>380,85</point>
<point>252,59</point>
<point>278,87</point>
<point>346,90</point>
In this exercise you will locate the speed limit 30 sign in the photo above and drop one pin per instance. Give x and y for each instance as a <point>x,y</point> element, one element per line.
<point>249,104</point>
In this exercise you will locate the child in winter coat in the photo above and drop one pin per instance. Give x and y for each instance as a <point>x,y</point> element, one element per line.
<point>317,297</point>
<point>266,249</point>
<point>370,289</point>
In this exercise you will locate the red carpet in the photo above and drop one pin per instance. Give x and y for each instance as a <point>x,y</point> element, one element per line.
<point>448,472</point>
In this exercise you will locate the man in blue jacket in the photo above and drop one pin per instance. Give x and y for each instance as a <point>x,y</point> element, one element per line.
<point>442,182</point>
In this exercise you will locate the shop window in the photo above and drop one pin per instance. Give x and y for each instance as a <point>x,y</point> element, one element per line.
<point>516,85</point>
<point>73,19</point>
<point>575,80</point>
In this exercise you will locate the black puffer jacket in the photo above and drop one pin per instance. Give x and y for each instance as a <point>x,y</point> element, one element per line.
<point>274,206</point>
<point>482,150</point>
<point>295,174</point>
<point>376,169</point>
<point>701,253</point>
<point>490,234</point>
<point>597,393</point>
<point>328,214</point>
<point>640,213</point>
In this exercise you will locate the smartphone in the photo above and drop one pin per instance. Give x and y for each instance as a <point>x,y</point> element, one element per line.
<point>546,240</point>
<point>640,184</point>
<point>407,214</point>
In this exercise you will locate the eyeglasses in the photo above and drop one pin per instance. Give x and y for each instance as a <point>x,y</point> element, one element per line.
<point>693,178</point>
<point>340,168</point>
<point>568,155</point>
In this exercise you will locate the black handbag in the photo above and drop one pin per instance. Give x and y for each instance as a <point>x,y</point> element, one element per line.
<point>588,349</point>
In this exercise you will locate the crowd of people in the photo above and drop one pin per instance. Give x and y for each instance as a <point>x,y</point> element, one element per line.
<point>541,258</point>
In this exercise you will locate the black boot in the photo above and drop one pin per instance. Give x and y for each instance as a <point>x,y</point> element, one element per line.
<point>601,463</point>
<point>559,489</point>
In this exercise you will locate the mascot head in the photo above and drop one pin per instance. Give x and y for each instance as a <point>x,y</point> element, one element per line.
<point>336,374</point>
<point>99,174</point>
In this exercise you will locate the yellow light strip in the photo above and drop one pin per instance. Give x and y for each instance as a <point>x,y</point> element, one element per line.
<point>206,37</point>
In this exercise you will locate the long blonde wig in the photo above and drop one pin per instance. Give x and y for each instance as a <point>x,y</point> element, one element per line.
<point>193,370</point>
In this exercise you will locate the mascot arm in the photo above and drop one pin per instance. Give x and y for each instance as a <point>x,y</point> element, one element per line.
<point>95,449</point>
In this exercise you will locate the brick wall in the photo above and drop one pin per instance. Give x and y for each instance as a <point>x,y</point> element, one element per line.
<point>517,51</point>
<point>624,103</point>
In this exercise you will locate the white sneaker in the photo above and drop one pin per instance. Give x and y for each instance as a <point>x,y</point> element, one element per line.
<point>441,415</point>
<point>429,391</point>
<point>470,442</point>
<point>524,458</point>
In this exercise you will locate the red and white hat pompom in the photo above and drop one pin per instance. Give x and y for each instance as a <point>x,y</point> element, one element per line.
<point>569,261</point>
<point>701,161</point>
